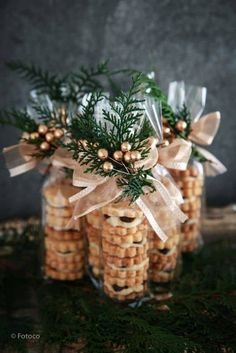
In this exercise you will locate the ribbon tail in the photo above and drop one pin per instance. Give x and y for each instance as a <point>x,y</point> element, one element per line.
<point>17,161</point>
<point>161,172</point>
<point>212,166</point>
<point>81,194</point>
<point>168,199</point>
<point>146,206</point>
<point>91,200</point>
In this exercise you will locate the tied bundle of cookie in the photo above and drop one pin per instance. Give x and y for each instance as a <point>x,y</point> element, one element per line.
<point>44,122</point>
<point>120,163</point>
<point>63,249</point>
<point>182,118</point>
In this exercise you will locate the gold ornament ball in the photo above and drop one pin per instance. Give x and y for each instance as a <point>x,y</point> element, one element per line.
<point>125,147</point>
<point>25,135</point>
<point>34,135</point>
<point>127,157</point>
<point>102,154</point>
<point>45,146</point>
<point>181,125</point>
<point>107,167</point>
<point>118,155</point>
<point>58,133</point>
<point>167,131</point>
<point>135,156</point>
<point>49,136</point>
<point>42,129</point>
<point>165,143</point>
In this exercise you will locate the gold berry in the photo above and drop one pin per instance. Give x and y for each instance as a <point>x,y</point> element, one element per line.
<point>167,131</point>
<point>49,136</point>
<point>102,154</point>
<point>42,129</point>
<point>107,167</point>
<point>127,157</point>
<point>58,133</point>
<point>125,147</point>
<point>181,125</point>
<point>135,156</point>
<point>118,155</point>
<point>25,135</point>
<point>34,135</point>
<point>165,143</point>
<point>45,146</point>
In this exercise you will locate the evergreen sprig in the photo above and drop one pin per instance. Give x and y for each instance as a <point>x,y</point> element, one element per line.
<point>19,119</point>
<point>41,80</point>
<point>124,121</point>
<point>68,88</point>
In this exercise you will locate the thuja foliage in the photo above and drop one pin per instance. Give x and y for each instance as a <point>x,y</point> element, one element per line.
<point>64,92</point>
<point>67,88</point>
<point>124,122</point>
<point>201,316</point>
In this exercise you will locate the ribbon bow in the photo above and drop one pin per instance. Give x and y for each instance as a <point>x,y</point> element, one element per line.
<point>99,191</point>
<point>203,129</point>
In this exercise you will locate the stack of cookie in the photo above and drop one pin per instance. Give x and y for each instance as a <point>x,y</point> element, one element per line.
<point>163,256</point>
<point>94,244</point>
<point>64,249</point>
<point>190,182</point>
<point>125,251</point>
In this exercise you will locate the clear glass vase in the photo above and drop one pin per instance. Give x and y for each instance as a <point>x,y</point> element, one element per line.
<point>191,184</point>
<point>63,249</point>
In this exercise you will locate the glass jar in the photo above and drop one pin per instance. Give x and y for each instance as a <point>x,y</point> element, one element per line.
<point>124,252</point>
<point>164,257</point>
<point>191,184</point>
<point>63,250</point>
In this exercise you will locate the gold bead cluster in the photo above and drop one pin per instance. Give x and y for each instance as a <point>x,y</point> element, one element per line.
<point>168,133</point>
<point>124,154</point>
<point>48,134</point>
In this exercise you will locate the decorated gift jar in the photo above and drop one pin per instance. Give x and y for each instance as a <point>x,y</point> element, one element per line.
<point>63,247</point>
<point>118,163</point>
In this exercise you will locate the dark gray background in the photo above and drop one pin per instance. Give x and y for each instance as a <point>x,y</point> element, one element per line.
<point>193,40</point>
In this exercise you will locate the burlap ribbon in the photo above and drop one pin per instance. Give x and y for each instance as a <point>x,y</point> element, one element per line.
<point>99,191</point>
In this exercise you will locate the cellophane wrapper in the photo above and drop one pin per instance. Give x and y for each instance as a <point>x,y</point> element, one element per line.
<point>191,183</point>
<point>164,257</point>
<point>63,249</point>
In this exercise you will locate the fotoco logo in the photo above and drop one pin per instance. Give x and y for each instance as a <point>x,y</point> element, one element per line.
<point>25,336</point>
